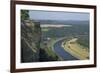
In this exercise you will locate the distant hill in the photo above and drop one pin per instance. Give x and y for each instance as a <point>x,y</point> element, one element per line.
<point>63,22</point>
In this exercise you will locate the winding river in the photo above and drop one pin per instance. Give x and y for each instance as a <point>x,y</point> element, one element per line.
<point>61,52</point>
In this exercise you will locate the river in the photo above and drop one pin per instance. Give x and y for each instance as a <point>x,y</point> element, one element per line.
<point>61,52</point>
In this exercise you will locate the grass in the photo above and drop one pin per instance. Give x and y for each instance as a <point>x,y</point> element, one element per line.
<point>45,29</point>
<point>49,50</point>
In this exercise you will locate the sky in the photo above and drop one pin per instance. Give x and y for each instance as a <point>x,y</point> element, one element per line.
<point>53,15</point>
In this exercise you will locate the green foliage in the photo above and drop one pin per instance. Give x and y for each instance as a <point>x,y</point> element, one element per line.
<point>24,14</point>
<point>83,41</point>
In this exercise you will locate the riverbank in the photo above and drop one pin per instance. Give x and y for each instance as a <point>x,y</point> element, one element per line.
<point>59,50</point>
<point>75,49</point>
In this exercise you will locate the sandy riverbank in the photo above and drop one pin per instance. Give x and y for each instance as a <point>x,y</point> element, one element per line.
<point>75,49</point>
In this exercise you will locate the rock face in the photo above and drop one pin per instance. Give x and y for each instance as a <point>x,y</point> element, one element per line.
<point>30,41</point>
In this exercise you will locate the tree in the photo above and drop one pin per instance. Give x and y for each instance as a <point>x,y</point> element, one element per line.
<point>24,14</point>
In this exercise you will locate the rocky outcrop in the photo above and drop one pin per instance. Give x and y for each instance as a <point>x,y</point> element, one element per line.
<point>30,41</point>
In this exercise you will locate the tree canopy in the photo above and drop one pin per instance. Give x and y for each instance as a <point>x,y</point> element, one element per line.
<point>24,14</point>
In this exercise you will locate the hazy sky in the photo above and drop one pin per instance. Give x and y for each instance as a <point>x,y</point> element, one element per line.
<point>51,15</point>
